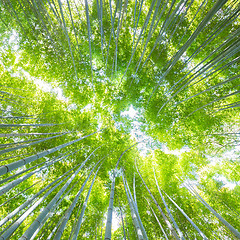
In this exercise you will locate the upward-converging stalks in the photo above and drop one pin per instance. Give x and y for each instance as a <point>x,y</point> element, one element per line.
<point>68,67</point>
<point>110,208</point>
<point>177,56</point>
<point>14,165</point>
<point>134,216</point>
<point>31,230</point>
<point>229,226</point>
<point>162,229</point>
<point>70,209</point>
<point>168,210</point>
<point>135,212</point>
<point>160,210</point>
<point>80,219</point>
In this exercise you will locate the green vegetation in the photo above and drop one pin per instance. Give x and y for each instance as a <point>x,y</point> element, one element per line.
<point>119,119</point>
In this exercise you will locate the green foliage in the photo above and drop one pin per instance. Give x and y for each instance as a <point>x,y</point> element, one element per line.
<point>62,75</point>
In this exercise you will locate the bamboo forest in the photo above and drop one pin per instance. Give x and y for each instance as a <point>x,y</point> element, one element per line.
<point>119,119</point>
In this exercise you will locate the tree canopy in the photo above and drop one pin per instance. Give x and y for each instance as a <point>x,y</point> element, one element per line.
<point>119,119</point>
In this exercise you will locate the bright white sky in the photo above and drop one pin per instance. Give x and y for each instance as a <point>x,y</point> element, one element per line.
<point>47,87</point>
<point>132,113</point>
<point>116,221</point>
<point>139,136</point>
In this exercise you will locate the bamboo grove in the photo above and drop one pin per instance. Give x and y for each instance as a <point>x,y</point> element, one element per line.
<point>119,119</point>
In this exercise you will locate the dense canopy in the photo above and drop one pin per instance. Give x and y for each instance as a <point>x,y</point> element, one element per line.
<point>119,119</point>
